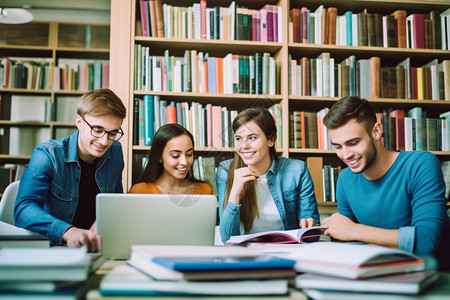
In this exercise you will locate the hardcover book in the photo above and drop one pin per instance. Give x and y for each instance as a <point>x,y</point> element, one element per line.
<point>354,260</point>
<point>302,235</point>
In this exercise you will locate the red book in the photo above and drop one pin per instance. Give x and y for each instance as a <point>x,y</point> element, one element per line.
<point>419,31</point>
<point>399,115</point>
<point>304,63</point>
<point>171,117</point>
<point>296,24</point>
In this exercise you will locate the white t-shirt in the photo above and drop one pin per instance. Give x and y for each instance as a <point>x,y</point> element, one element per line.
<point>269,217</point>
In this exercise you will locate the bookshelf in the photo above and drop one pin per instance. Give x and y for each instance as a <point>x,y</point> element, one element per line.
<point>126,33</point>
<point>64,53</point>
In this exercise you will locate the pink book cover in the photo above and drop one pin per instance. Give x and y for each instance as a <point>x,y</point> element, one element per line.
<point>203,18</point>
<point>105,76</point>
<point>255,25</point>
<point>216,114</point>
<point>144,17</point>
<point>304,25</point>
<point>263,24</point>
<point>56,79</point>
<point>269,20</point>
<point>275,23</point>
<point>209,142</point>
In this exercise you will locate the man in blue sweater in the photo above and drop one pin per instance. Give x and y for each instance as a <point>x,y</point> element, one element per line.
<point>389,198</point>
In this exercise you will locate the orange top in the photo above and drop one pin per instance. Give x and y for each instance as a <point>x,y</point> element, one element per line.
<point>151,188</point>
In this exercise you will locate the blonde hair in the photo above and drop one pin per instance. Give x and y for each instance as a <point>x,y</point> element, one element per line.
<point>101,102</point>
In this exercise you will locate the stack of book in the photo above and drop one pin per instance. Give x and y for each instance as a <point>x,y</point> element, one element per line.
<point>43,273</point>
<point>333,270</point>
<point>199,270</point>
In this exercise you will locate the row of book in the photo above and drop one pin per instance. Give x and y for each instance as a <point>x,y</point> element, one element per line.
<point>211,125</point>
<point>70,74</point>
<point>25,73</point>
<point>415,31</point>
<point>41,272</point>
<point>199,72</point>
<point>81,75</point>
<point>40,109</point>
<point>198,21</point>
<point>324,77</point>
<point>411,130</point>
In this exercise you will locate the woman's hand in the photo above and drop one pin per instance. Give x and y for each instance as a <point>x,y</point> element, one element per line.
<point>309,222</point>
<point>241,176</point>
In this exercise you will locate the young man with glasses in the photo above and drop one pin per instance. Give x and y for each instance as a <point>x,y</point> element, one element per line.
<point>56,196</point>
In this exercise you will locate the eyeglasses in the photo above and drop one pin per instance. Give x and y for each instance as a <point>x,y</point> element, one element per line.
<point>98,132</point>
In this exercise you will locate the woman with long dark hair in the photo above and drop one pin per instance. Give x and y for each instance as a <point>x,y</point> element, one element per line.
<point>258,191</point>
<point>168,169</point>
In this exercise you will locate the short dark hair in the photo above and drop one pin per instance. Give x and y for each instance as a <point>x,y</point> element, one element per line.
<point>165,133</point>
<point>348,108</point>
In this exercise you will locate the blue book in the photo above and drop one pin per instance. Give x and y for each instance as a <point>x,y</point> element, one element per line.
<point>193,263</point>
<point>211,75</point>
<point>149,119</point>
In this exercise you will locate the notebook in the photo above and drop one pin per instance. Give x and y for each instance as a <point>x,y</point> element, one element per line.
<point>154,219</point>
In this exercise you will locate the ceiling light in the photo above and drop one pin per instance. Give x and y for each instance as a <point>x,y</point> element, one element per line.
<point>15,16</point>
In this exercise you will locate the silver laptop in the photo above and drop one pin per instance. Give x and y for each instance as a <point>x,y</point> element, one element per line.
<point>154,219</point>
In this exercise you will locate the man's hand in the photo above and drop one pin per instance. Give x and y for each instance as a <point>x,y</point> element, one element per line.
<point>309,222</point>
<point>76,237</point>
<point>339,227</point>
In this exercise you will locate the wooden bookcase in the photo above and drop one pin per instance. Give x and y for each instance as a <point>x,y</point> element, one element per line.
<point>55,43</point>
<point>123,21</point>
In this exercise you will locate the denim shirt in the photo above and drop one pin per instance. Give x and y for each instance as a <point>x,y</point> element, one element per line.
<point>292,190</point>
<point>49,189</point>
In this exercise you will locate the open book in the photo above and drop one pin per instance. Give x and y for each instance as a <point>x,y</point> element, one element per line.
<point>350,260</point>
<point>302,235</point>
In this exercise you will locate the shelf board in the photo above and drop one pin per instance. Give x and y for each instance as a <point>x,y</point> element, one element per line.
<point>24,91</point>
<point>218,47</point>
<point>15,158</point>
<point>326,203</point>
<point>342,52</point>
<point>232,101</point>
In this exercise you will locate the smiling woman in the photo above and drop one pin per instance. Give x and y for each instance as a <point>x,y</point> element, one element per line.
<point>168,170</point>
<point>257,190</point>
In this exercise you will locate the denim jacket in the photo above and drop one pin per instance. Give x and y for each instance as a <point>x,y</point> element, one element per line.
<point>292,190</point>
<point>48,193</point>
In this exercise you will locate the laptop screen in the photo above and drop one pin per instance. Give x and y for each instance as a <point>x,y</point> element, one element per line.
<point>154,219</point>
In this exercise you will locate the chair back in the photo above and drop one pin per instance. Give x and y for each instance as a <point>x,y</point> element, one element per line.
<point>7,203</point>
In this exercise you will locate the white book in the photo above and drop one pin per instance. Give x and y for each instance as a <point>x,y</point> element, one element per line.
<point>352,260</point>
<point>228,74</point>
<point>280,24</point>
<point>177,76</point>
<point>232,11</point>
<point>23,140</point>
<point>408,134</point>
<point>408,283</point>
<point>66,109</point>
<point>365,86</point>
<point>157,73</point>
<point>272,76</point>
<point>354,29</point>
<point>342,32</point>
<point>126,280</point>
<point>197,21</point>
<point>385,33</point>
<point>318,25</point>
<point>319,77</point>
<point>26,108</point>
<point>225,127</point>
<point>410,32</point>
<point>59,264</point>
<point>298,83</point>
<point>332,80</point>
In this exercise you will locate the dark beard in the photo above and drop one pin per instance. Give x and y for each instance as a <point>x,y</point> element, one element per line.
<point>370,156</point>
